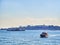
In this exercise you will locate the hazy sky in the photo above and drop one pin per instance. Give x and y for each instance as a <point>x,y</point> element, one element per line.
<point>33,12</point>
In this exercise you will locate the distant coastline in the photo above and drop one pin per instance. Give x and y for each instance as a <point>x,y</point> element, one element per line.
<point>36,27</point>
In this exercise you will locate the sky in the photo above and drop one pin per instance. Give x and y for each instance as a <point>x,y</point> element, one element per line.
<point>29,12</point>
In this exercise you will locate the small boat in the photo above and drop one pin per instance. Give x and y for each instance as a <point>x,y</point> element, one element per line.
<point>44,35</point>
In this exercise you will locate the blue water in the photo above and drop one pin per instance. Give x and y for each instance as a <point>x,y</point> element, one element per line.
<point>29,37</point>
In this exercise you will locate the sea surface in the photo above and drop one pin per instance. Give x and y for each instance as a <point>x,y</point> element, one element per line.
<point>29,37</point>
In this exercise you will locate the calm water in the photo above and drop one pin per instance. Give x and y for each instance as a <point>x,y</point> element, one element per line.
<point>29,37</point>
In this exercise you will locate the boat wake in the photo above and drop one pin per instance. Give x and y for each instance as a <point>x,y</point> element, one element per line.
<point>54,35</point>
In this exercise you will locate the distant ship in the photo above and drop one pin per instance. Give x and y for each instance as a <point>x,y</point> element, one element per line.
<point>15,29</point>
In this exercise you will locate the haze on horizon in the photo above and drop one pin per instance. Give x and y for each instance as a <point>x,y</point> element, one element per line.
<point>29,12</point>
